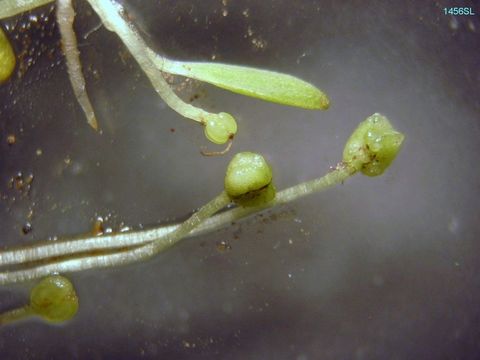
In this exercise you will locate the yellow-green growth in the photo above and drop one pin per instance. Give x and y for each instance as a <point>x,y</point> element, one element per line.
<point>14,7</point>
<point>248,180</point>
<point>7,58</point>
<point>262,84</point>
<point>220,128</point>
<point>54,299</point>
<point>373,146</point>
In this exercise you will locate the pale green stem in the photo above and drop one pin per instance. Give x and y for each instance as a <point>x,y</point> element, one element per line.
<point>161,236</point>
<point>371,148</point>
<point>136,238</point>
<point>110,14</point>
<point>120,258</point>
<point>16,315</point>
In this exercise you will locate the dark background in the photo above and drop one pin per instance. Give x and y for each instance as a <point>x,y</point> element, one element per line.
<point>379,268</point>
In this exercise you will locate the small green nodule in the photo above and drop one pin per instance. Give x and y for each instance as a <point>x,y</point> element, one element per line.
<point>7,58</point>
<point>248,180</point>
<point>220,128</point>
<point>54,299</point>
<point>373,146</point>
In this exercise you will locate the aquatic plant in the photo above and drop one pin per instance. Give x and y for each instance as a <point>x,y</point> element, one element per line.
<point>219,128</point>
<point>248,184</point>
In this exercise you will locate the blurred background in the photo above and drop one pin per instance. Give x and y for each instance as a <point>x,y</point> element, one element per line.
<point>378,268</point>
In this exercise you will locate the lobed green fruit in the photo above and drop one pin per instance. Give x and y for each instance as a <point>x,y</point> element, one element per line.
<point>373,145</point>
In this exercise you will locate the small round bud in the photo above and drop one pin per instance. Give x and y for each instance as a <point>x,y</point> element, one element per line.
<point>54,299</point>
<point>248,180</point>
<point>220,128</point>
<point>373,146</point>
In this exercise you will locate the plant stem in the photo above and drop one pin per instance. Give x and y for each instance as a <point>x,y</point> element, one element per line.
<point>16,315</point>
<point>146,243</point>
<point>110,14</point>
<point>120,257</point>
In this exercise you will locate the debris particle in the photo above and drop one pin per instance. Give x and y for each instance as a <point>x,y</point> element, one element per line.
<point>11,139</point>
<point>223,246</point>
<point>98,226</point>
<point>27,228</point>
<point>259,43</point>
<point>21,183</point>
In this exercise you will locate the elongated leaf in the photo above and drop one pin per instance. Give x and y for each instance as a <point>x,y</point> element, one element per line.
<point>262,84</point>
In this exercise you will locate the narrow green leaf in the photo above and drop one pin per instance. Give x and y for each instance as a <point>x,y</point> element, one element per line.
<point>262,84</point>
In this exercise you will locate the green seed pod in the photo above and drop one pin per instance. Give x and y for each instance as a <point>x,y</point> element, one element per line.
<point>7,58</point>
<point>373,146</point>
<point>54,299</point>
<point>248,180</point>
<point>220,128</point>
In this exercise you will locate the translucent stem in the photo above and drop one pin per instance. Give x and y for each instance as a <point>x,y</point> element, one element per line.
<point>117,242</point>
<point>123,257</point>
<point>65,17</point>
<point>110,14</point>
<point>16,315</point>
<point>371,148</point>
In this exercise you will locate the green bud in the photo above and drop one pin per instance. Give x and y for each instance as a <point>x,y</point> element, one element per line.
<point>54,299</point>
<point>7,58</point>
<point>220,128</point>
<point>248,180</point>
<point>373,146</point>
